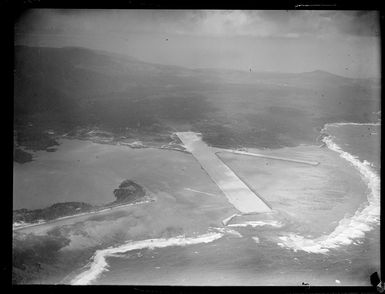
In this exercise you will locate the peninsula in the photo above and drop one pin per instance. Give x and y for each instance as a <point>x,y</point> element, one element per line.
<point>127,192</point>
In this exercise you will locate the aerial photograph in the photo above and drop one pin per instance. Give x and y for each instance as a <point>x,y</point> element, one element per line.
<point>196,147</point>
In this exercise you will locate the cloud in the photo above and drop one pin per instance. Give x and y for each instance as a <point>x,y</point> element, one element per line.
<point>223,23</point>
<point>290,24</point>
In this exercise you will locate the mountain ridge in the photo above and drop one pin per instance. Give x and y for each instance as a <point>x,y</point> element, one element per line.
<point>316,72</point>
<point>69,88</point>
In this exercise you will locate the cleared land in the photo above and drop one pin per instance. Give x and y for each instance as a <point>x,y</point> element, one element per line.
<point>236,191</point>
<point>270,157</point>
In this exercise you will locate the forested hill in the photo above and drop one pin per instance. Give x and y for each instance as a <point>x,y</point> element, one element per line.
<point>64,88</point>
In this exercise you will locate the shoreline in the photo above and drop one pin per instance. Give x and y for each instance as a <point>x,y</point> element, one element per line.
<point>98,262</point>
<point>348,229</point>
<point>82,215</point>
<point>293,242</point>
<point>221,150</point>
<point>101,210</point>
<point>135,145</point>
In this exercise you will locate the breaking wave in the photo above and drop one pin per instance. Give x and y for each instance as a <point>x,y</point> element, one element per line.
<point>229,231</point>
<point>258,224</point>
<point>349,228</point>
<point>99,264</point>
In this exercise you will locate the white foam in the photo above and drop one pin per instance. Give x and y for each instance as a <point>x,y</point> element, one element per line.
<point>349,228</point>
<point>98,264</point>
<point>20,224</point>
<point>229,231</point>
<point>256,240</point>
<point>228,219</point>
<point>258,224</point>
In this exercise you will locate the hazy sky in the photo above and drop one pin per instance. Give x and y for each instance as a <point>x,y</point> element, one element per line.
<point>341,42</point>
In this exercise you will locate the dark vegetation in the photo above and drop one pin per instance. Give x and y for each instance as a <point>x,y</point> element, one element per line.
<point>35,258</point>
<point>128,192</point>
<point>21,156</point>
<point>69,88</point>
<point>34,255</point>
<point>145,114</point>
<point>34,139</point>
<point>66,88</point>
<point>52,212</point>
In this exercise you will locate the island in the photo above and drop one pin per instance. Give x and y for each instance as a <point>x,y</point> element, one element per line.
<point>128,192</point>
<point>20,156</point>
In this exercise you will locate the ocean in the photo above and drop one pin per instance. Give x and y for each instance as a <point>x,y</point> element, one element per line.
<point>361,140</point>
<point>271,253</point>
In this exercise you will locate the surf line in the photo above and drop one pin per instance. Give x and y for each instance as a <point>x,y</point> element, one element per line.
<point>99,264</point>
<point>348,229</point>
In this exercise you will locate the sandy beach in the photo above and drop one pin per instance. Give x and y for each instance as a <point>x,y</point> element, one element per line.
<point>42,227</point>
